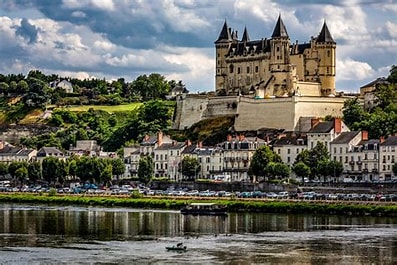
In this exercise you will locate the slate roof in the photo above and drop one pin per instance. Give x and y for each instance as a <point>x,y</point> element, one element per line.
<point>48,150</point>
<point>378,81</point>
<point>10,150</point>
<point>325,35</point>
<point>25,152</point>
<point>189,149</point>
<point>322,127</point>
<point>152,140</point>
<point>345,137</point>
<point>279,30</point>
<point>224,35</point>
<point>245,37</point>
<point>170,146</point>
<point>290,139</point>
<point>390,141</point>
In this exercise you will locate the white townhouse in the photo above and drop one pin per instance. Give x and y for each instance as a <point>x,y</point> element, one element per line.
<point>342,150</point>
<point>131,160</point>
<point>387,158</point>
<point>211,162</point>
<point>167,157</point>
<point>325,132</point>
<point>49,152</point>
<point>237,154</point>
<point>288,146</point>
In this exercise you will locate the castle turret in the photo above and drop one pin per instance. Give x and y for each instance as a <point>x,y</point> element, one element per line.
<point>222,45</point>
<point>279,58</point>
<point>326,47</point>
<point>245,37</point>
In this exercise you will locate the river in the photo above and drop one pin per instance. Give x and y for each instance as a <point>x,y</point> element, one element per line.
<point>43,234</point>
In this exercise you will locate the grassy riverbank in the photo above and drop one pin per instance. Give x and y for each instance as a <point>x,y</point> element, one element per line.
<point>234,205</point>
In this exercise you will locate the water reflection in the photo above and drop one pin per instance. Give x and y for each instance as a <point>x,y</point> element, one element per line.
<point>238,238</point>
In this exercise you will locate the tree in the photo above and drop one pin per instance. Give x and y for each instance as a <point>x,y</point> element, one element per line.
<point>190,166</point>
<point>145,169</point>
<point>353,113</point>
<point>34,171</point>
<point>118,166</point>
<point>21,174</point>
<point>275,169</point>
<point>312,158</point>
<point>51,169</point>
<point>394,169</point>
<point>3,169</point>
<point>261,158</point>
<point>301,170</point>
<point>392,78</point>
<point>335,169</point>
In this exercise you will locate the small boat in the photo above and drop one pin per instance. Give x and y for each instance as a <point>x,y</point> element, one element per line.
<point>204,209</point>
<point>178,247</point>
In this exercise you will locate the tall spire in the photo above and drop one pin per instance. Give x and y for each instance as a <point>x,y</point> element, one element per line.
<point>279,29</point>
<point>325,35</point>
<point>245,37</point>
<point>225,34</point>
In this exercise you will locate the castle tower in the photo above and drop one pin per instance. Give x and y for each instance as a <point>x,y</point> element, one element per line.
<point>222,45</point>
<point>326,47</point>
<point>280,57</point>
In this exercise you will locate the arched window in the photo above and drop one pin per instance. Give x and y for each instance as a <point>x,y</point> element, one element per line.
<point>231,68</point>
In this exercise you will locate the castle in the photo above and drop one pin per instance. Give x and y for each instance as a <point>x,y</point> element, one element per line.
<point>268,83</point>
<point>274,67</point>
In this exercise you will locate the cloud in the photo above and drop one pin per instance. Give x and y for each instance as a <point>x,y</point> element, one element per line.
<point>348,69</point>
<point>27,30</point>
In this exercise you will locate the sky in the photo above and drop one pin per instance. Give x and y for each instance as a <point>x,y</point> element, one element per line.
<point>114,39</point>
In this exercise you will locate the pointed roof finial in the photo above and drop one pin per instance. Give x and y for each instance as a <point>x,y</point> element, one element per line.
<point>225,34</point>
<point>279,29</point>
<point>325,35</point>
<point>245,37</point>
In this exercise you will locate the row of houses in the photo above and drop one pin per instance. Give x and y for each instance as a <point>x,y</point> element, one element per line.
<point>363,159</point>
<point>10,153</point>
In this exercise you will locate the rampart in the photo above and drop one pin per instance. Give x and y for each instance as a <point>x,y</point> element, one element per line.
<point>289,113</point>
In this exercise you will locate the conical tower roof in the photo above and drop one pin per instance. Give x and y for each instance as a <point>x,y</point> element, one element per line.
<point>325,35</point>
<point>280,30</point>
<point>225,34</point>
<point>245,37</point>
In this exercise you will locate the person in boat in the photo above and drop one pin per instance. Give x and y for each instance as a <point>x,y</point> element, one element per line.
<point>179,245</point>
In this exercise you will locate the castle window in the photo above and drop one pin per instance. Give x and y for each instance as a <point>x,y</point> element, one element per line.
<point>231,68</point>
<point>327,70</point>
<point>248,70</point>
<point>278,49</point>
<point>256,69</point>
<point>238,70</point>
<point>219,62</point>
<point>329,53</point>
<point>219,55</point>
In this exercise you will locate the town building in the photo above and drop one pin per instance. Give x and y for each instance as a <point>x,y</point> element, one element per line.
<point>387,157</point>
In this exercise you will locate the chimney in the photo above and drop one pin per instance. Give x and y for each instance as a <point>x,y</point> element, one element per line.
<point>188,143</point>
<point>241,137</point>
<point>1,144</point>
<point>337,125</point>
<point>314,122</point>
<point>381,139</point>
<point>200,144</point>
<point>364,135</point>
<point>229,137</point>
<point>159,138</point>
<point>146,138</point>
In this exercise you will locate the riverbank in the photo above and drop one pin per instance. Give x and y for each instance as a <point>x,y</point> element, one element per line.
<point>233,204</point>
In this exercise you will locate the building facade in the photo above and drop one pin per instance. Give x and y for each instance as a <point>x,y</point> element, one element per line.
<point>274,66</point>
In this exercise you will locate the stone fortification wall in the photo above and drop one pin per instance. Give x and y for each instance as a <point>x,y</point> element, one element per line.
<point>290,113</point>
<point>316,107</point>
<point>221,106</point>
<point>254,114</point>
<point>189,110</point>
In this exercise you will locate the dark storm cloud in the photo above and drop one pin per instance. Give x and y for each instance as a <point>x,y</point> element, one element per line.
<point>27,31</point>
